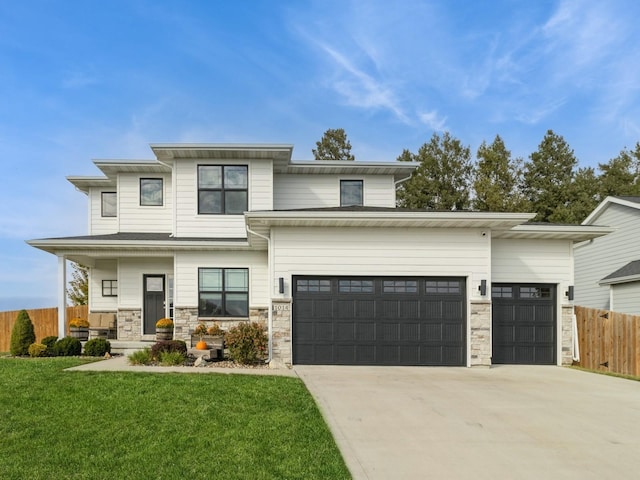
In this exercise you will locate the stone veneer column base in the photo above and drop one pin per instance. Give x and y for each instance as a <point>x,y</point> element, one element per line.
<point>566,357</point>
<point>129,324</point>
<point>281,333</point>
<point>480,337</point>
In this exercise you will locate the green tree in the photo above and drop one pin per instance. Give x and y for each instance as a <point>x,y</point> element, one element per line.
<point>441,181</point>
<point>582,198</point>
<point>497,179</point>
<point>548,177</point>
<point>620,176</point>
<point>333,145</point>
<point>78,289</point>
<point>22,334</point>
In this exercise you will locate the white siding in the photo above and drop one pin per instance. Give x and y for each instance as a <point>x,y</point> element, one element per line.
<point>130,272</point>
<point>102,270</point>
<point>314,191</point>
<point>186,276</point>
<point>99,225</point>
<point>381,251</point>
<point>136,218</point>
<point>190,224</point>
<point>604,255</point>
<point>626,298</point>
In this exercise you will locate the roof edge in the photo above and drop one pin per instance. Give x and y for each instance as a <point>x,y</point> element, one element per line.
<point>602,206</point>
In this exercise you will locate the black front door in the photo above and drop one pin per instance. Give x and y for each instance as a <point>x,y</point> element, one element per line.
<point>153,302</point>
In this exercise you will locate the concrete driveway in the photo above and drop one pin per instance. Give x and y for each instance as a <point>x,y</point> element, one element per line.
<point>507,422</point>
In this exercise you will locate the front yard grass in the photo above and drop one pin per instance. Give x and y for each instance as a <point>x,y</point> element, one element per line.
<point>108,425</point>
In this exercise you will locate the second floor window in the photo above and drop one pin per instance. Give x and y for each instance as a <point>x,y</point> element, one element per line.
<point>222,189</point>
<point>151,191</point>
<point>109,204</point>
<point>350,193</point>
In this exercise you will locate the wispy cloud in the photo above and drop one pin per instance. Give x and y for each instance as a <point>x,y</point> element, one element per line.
<point>433,120</point>
<point>78,79</point>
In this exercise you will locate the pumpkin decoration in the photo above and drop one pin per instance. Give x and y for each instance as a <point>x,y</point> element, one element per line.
<point>201,345</point>
<point>201,331</point>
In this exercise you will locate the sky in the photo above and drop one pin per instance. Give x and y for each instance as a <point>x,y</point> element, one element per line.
<point>87,79</point>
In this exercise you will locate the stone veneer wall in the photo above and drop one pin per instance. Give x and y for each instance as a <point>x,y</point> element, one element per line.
<point>281,333</point>
<point>480,338</point>
<point>567,335</point>
<point>129,324</point>
<point>185,321</point>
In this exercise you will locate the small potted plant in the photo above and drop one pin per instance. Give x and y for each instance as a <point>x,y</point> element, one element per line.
<point>79,328</point>
<point>201,331</point>
<point>164,329</point>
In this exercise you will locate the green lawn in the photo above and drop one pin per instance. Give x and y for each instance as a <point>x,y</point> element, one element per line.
<point>94,425</point>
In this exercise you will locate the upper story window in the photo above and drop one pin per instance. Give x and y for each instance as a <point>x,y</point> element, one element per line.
<point>222,189</point>
<point>109,204</point>
<point>350,193</point>
<point>151,192</point>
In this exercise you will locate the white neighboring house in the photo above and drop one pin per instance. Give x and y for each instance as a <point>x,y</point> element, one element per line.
<point>318,253</point>
<point>608,268</point>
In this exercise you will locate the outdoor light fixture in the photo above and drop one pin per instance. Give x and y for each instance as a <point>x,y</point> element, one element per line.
<point>483,287</point>
<point>570,292</point>
<point>281,285</point>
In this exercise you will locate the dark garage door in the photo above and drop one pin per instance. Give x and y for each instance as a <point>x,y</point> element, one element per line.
<point>379,320</point>
<point>524,323</point>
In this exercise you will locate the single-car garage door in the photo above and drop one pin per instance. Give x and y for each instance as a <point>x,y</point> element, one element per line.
<point>524,323</point>
<point>379,320</point>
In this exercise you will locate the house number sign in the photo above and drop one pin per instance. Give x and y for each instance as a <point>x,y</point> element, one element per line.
<point>281,307</point>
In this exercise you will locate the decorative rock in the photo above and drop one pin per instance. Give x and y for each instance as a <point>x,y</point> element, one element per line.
<point>200,362</point>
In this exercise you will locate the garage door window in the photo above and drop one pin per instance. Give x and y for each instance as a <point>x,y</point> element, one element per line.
<point>400,286</point>
<point>443,287</point>
<point>535,292</point>
<point>502,292</point>
<point>314,286</point>
<point>355,286</point>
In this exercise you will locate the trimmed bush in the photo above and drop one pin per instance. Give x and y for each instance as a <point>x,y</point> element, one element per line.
<point>97,347</point>
<point>22,334</point>
<point>247,342</point>
<point>141,357</point>
<point>37,350</point>
<point>50,342</point>
<point>168,346</point>
<point>67,347</point>
<point>169,359</point>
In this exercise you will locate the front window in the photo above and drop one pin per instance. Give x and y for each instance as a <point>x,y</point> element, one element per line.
<point>109,204</point>
<point>350,193</point>
<point>151,192</point>
<point>109,288</point>
<point>223,292</point>
<point>222,189</point>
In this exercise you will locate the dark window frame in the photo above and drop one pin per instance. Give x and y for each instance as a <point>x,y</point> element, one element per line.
<point>313,285</point>
<point>223,292</point>
<point>146,203</point>
<point>343,202</point>
<point>109,286</point>
<point>102,214</point>
<point>223,189</point>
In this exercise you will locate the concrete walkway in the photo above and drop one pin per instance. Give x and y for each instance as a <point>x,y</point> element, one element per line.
<point>507,422</point>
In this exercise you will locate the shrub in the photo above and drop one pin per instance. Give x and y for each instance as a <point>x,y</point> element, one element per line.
<point>169,359</point>
<point>97,347</point>
<point>200,330</point>
<point>37,350</point>
<point>22,334</point>
<point>79,323</point>
<point>247,342</point>
<point>168,346</point>
<point>164,323</point>
<point>215,330</point>
<point>141,357</point>
<point>67,347</point>
<point>50,342</point>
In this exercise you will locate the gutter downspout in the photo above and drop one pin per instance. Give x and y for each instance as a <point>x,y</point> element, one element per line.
<point>270,286</point>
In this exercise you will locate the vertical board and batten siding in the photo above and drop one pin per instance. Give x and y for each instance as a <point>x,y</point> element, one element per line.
<point>99,225</point>
<point>315,191</point>
<point>102,270</point>
<point>188,263</point>
<point>602,256</point>
<point>136,218</point>
<point>626,298</point>
<point>190,224</point>
<point>130,272</point>
<point>381,252</point>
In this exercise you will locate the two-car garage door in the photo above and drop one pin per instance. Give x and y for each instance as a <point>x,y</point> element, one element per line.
<point>379,320</point>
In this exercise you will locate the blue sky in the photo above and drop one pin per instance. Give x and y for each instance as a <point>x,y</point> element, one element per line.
<point>83,80</point>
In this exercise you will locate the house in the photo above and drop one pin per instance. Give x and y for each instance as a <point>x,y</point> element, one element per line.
<point>608,268</point>
<point>317,252</point>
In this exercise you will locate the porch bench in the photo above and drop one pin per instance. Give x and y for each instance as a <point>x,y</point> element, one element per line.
<point>102,325</point>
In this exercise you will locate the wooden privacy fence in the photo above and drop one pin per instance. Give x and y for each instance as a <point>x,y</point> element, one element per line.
<point>608,341</point>
<point>45,323</point>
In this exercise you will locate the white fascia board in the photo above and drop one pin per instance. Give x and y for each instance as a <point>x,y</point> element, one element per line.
<point>614,281</point>
<point>604,205</point>
<point>62,245</point>
<point>573,232</point>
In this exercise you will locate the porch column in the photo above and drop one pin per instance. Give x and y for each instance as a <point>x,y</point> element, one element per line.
<point>62,296</point>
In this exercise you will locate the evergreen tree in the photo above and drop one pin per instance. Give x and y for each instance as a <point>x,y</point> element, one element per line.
<point>22,334</point>
<point>333,145</point>
<point>620,176</point>
<point>78,289</point>
<point>582,198</point>
<point>441,181</point>
<point>548,177</point>
<point>497,179</point>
